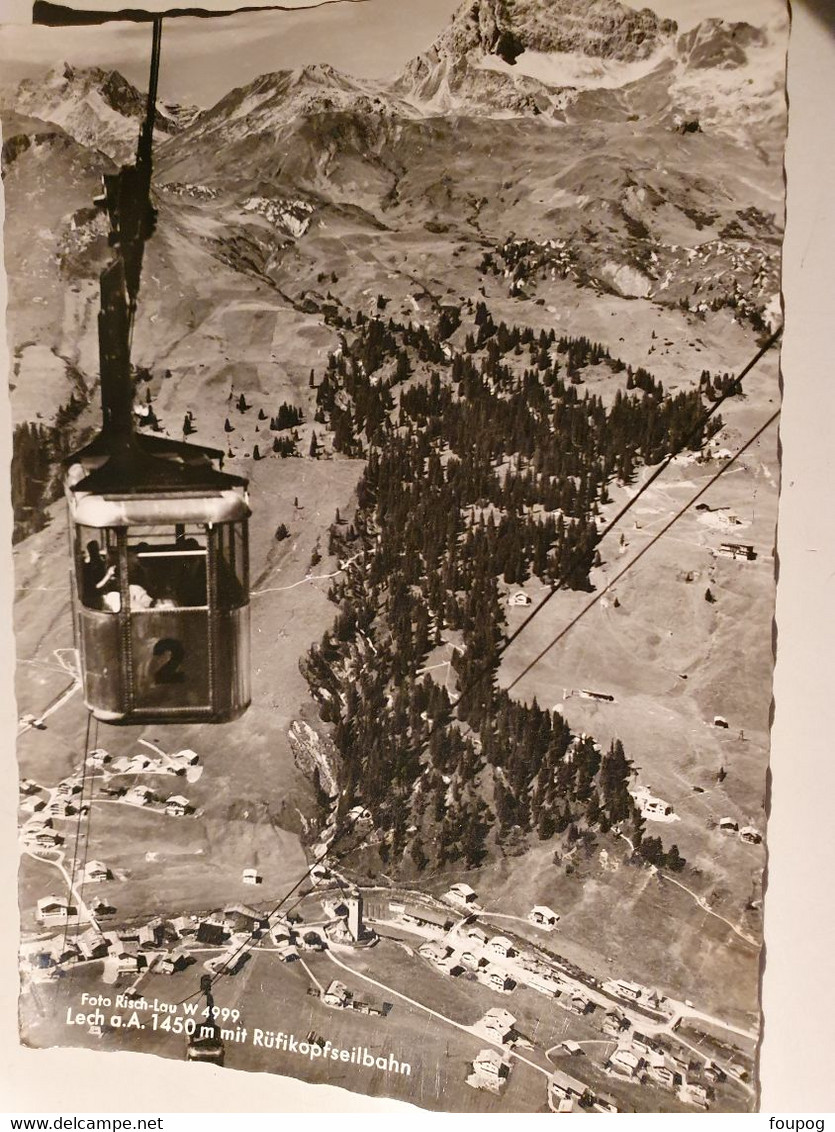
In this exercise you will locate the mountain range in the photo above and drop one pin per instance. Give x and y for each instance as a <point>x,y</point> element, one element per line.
<point>538,142</point>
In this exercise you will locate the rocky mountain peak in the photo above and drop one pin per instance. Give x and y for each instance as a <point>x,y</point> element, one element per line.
<point>717,43</point>
<point>99,108</point>
<point>600,29</point>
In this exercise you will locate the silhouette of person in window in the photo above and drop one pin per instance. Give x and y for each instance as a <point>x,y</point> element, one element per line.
<point>98,577</point>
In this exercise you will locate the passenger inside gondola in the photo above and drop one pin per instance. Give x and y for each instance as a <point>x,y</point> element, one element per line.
<point>170,569</point>
<point>93,573</point>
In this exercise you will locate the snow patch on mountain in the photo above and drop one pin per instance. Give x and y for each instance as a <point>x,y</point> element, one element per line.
<point>293,216</point>
<point>560,68</point>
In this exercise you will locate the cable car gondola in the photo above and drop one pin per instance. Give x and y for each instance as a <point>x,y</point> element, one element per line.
<point>158,532</point>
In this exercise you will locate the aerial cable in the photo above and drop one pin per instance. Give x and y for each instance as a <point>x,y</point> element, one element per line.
<point>71,870</point>
<point>694,434</point>
<point>89,816</point>
<point>253,941</point>
<point>250,944</point>
<point>633,561</point>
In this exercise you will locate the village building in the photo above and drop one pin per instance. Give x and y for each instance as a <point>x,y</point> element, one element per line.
<point>728,825</point>
<point>177,806</point>
<point>543,916</point>
<point>33,805</point>
<point>134,764</point>
<point>251,876</point>
<point>604,1103</point>
<point>502,946</point>
<point>518,598</point>
<point>95,872</point>
<point>661,1075</point>
<point>714,1072</point>
<point>336,994</point>
<point>139,796</point>
<point>47,839</point>
<point>565,1090</point>
<point>499,980</point>
<point>625,1062</point>
<point>578,1003</point>
<point>60,808</point>
<point>499,1024</point>
<point>151,935</point>
<point>476,934</point>
<point>174,961</point>
<point>737,550</point>
<point>545,984</point>
<point>435,951</point>
<point>127,963</point>
<point>468,959</point>
<point>644,1044</point>
<point>624,989</point>
<point>211,933</point>
<point>186,756</point>
<point>462,894</point>
<point>65,950</point>
<point>490,1070</point>
<point>92,944</point>
<point>184,925</point>
<point>694,1094</point>
<point>750,835</point>
<point>54,910</point>
<point>426,918</point>
<point>241,917</point>
<point>614,1024</point>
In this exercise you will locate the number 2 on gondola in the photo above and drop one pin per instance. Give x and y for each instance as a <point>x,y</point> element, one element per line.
<point>171,671</point>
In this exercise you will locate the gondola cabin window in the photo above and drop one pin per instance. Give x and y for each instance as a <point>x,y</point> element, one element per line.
<point>233,565</point>
<point>167,568</point>
<point>163,618</point>
<point>97,567</point>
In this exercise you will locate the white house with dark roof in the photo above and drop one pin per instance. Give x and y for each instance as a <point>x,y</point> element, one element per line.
<point>565,1088</point>
<point>543,916</point>
<point>95,872</point>
<point>462,894</point>
<point>336,994</point>
<point>139,795</point>
<point>498,1024</point>
<point>500,945</point>
<point>625,1062</point>
<point>499,980</point>
<point>54,910</point>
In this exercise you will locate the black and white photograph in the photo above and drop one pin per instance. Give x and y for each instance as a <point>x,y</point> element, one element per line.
<point>394,401</point>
